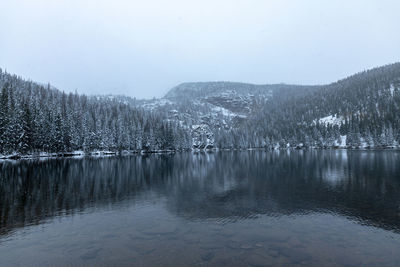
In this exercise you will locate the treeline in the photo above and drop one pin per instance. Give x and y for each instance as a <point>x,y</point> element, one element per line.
<point>35,118</point>
<point>362,110</point>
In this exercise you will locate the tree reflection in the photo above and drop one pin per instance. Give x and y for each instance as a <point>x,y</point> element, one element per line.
<point>229,186</point>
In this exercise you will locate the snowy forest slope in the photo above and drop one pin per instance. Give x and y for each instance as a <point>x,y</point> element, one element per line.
<point>362,110</point>
<point>359,111</point>
<point>35,118</point>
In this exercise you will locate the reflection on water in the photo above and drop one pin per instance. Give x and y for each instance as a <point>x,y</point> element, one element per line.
<point>241,208</point>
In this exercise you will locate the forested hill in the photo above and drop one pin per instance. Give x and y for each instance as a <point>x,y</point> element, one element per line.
<point>359,111</point>
<point>207,89</point>
<point>362,110</point>
<point>37,118</point>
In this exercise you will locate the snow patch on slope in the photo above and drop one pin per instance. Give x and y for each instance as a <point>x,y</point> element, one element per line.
<point>226,112</point>
<point>223,111</point>
<point>157,103</point>
<point>392,88</point>
<point>331,120</point>
<point>342,142</point>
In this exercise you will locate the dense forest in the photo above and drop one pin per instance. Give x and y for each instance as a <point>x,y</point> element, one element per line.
<point>36,118</point>
<point>362,110</point>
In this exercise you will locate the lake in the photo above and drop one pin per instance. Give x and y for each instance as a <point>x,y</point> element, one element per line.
<point>245,208</point>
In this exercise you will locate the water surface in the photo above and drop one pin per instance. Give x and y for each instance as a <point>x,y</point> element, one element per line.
<point>250,208</point>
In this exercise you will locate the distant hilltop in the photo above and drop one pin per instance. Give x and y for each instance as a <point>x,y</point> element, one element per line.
<point>202,89</point>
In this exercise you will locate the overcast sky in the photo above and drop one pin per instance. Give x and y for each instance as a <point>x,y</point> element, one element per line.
<point>143,48</point>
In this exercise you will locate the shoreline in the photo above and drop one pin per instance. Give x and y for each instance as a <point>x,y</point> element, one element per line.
<point>105,153</point>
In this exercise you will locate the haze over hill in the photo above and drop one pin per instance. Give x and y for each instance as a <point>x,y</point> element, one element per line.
<point>143,48</point>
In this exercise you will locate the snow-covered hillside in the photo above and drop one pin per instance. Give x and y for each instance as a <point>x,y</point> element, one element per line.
<point>360,111</point>
<point>209,107</point>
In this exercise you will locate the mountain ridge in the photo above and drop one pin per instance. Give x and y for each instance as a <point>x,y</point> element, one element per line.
<point>200,84</point>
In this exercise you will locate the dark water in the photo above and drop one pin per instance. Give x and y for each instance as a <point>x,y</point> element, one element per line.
<point>229,208</point>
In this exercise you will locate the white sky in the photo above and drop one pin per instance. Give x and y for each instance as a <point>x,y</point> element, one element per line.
<point>143,48</point>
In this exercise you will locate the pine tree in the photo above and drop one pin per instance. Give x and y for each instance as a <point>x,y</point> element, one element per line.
<point>26,140</point>
<point>4,119</point>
